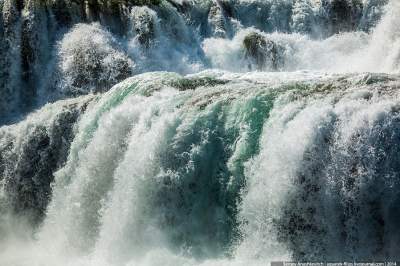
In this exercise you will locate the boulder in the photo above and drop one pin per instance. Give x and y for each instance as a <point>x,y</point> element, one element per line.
<point>262,53</point>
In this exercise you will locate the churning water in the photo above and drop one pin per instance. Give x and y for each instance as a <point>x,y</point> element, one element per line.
<point>199,132</point>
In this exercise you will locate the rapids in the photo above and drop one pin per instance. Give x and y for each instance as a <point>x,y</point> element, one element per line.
<point>199,132</point>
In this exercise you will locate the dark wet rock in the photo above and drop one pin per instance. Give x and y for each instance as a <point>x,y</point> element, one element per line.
<point>184,84</point>
<point>262,53</point>
<point>341,15</point>
<point>27,168</point>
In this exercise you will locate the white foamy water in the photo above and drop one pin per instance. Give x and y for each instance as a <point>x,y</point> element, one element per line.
<point>259,137</point>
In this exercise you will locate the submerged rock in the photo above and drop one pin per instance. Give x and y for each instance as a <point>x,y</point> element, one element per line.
<point>262,53</point>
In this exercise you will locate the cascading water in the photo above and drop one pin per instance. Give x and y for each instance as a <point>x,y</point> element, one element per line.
<point>274,135</point>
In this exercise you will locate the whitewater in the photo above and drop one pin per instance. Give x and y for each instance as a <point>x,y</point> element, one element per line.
<point>215,132</point>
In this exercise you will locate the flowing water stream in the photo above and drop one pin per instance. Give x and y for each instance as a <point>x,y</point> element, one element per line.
<point>226,132</point>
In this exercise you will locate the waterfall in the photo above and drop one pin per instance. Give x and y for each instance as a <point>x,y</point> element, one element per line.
<point>204,167</point>
<point>167,35</point>
<point>166,132</point>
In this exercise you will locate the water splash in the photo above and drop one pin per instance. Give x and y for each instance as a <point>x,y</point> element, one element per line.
<point>217,168</point>
<point>184,37</point>
<point>212,168</point>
